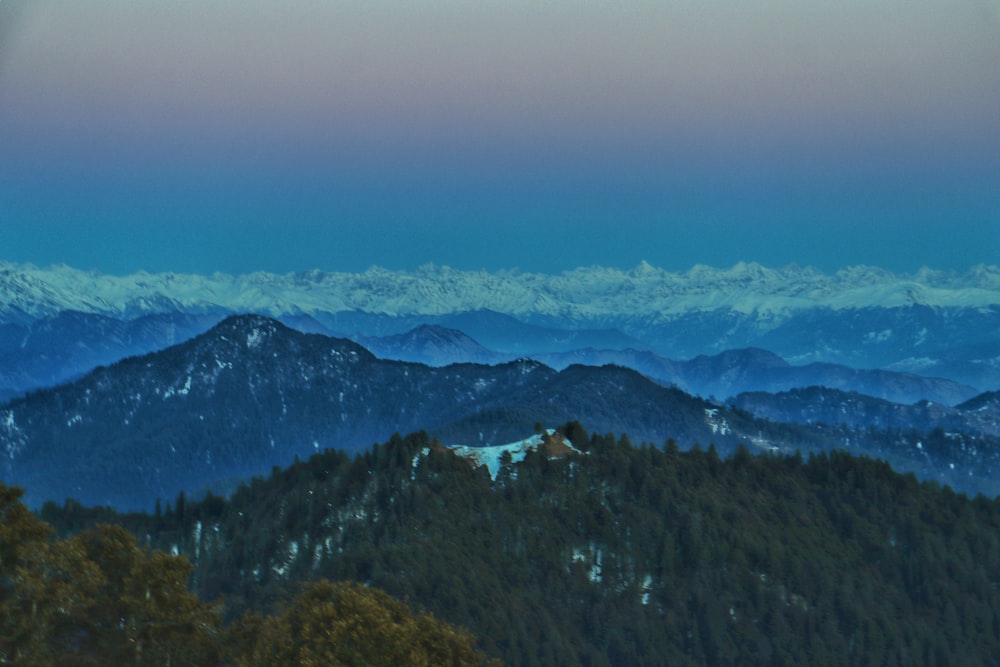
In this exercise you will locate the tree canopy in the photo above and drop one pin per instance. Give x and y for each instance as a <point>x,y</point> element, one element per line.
<point>624,554</point>
<point>98,598</point>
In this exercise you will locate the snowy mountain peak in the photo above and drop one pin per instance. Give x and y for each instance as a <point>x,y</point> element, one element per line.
<point>592,293</point>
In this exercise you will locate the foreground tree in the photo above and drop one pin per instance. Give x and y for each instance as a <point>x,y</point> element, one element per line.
<point>143,612</point>
<point>45,586</point>
<point>346,624</point>
<point>95,598</point>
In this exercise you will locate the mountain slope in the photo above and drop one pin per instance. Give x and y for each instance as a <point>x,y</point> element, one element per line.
<point>619,555</point>
<point>56,349</point>
<point>251,393</point>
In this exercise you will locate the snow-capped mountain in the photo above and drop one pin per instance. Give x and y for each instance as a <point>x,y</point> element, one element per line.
<point>585,294</point>
<point>980,415</point>
<point>929,323</point>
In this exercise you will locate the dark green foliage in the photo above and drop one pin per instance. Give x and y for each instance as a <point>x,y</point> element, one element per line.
<point>97,598</point>
<point>349,624</point>
<point>627,554</point>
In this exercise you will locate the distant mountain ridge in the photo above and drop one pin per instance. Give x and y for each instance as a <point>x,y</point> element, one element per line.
<point>735,372</point>
<point>432,345</point>
<point>929,323</point>
<point>835,407</point>
<point>591,294</point>
<point>55,350</point>
<point>252,393</point>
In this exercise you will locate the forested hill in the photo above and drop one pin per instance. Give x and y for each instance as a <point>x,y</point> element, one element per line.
<point>617,555</point>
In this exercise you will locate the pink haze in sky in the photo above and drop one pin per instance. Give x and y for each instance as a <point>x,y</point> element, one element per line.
<point>290,135</point>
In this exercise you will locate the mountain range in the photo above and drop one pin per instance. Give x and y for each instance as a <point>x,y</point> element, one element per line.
<point>61,348</point>
<point>934,324</point>
<point>584,294</point>
<point>252,393</point>
<point>733,372</point>
<point>709,332</point>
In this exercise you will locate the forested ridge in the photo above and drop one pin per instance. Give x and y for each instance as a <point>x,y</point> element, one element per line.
<point>623,554</point>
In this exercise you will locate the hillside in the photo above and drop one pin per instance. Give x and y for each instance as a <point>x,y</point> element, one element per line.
<point>57,349</point>
<point>251,394</point>
<point>619,554</point>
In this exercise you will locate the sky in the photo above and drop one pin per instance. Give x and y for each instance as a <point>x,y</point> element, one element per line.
<point>243,135</point>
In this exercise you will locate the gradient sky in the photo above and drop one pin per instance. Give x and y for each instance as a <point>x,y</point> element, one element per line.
<point>242,135</point>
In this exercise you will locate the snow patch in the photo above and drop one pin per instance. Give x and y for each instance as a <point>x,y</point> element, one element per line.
<point>196,538</point>
<point>646,587</point>
<point>592,556</point>
<point>254,338</point>
<point>416,461</point>
<point>489,455</point>
<point>281,568</point>
<point>879,336</point>
<point>15,437</point>
<point>719,425</point>
<point>182,391</point>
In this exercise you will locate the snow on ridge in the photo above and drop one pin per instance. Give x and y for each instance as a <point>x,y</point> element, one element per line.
<point>490,455</point>
<point>587,293</point>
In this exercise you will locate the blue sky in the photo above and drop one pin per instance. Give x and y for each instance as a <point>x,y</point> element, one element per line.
<point>250,135</point>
